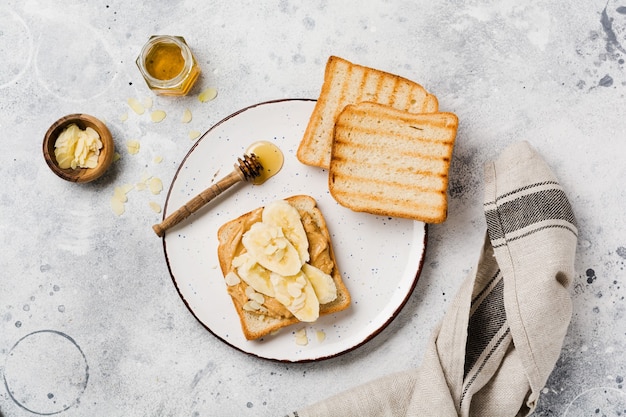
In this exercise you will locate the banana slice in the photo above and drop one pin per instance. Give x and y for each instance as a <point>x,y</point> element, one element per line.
<point>323,284</point>
<point>282,214</point>
<point>303,303</point>
<point>268,246</point>
<point>310,311</point>
<point>253,274</point>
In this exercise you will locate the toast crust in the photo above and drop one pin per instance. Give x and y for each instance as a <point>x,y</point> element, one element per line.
<point>390,162</point>
<point>254,324</point>
<point>348,83</point>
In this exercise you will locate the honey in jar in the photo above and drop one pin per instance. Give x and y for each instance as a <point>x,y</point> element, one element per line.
<point>168,65</point>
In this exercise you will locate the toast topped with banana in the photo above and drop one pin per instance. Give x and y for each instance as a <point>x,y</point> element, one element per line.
<point>279,266</point>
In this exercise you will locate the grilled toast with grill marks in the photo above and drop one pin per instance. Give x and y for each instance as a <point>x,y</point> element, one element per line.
<point>391,162</point>
<point>347,83</point>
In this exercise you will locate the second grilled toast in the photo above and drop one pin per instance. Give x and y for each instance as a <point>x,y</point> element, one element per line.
<point>390,162</point>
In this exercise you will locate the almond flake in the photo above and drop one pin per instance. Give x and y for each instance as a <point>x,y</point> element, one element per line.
<point>136,105</point>
<point>156,186</point>
<point>301,280</point>
<point>117,206</point>
<point>155,207</point>
<point>119,194</point>
<point>207,95</point>
<point>258,297</point>
<point>320,335</point>
<point>249,291</point>
<point>157,116</point>
<point>186,116</point>
<point>251,306</point>
<point>301,337</point>
<point>231,279</point>
<point>132,146</point>
<point>294,289</point>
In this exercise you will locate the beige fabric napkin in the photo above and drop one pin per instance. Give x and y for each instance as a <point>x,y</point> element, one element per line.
<point>498,342</point>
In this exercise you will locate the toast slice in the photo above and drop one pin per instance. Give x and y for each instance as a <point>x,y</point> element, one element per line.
<point>347,83</point>
<point>273,316</point>
<point>391,162</point>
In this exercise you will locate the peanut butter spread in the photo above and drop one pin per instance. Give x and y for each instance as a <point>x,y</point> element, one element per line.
<point>319,251</point>
<point>319,246</point>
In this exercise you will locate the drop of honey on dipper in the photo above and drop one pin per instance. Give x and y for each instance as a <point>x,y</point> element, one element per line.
<point>270,157</point>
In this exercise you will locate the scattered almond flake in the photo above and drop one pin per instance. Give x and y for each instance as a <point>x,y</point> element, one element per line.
<point>300,279</point>
<point>156,185</point>
<point>136,106</point>
<point>194,134</point>
<point>249,291</point>
<point>116,156</point>
<point>207,95</point>
<point>186,116</point>
<point>294,289</point>
<point>157,159</point>
<point>140,186</point>
<point>320,335</point>
<point>120,194</point>
<point>132,146</point>
<point>258,297</point>
<point>301,338</point>
<point>157,116</point>
<point>251,305</point>
<point>254,296</point>
<point>156,207</point>
<point>117,206</point>
<point>232,279</point>
<point>124,117</point>
<point>147,102</point>
<point>119,198</point>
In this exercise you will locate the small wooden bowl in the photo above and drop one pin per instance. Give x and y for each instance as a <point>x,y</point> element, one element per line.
<point>83,121</point>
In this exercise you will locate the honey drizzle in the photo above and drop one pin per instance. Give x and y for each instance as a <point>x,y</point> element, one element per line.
<point>270,157</point>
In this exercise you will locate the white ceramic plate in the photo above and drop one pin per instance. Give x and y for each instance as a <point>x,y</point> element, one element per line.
<point>380,257</point>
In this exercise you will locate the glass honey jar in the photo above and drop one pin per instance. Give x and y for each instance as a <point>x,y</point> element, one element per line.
<point>168,65</point>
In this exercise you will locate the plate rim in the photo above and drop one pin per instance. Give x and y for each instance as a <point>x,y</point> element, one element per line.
<point>371,336</point>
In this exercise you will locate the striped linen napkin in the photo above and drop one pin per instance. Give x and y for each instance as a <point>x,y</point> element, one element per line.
<point>498,342</point>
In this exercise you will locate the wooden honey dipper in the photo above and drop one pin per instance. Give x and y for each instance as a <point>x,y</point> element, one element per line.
<point>246,169</point>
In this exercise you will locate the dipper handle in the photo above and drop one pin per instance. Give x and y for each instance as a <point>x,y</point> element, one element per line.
<point>247,169</point>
